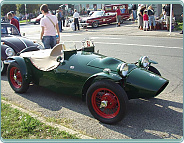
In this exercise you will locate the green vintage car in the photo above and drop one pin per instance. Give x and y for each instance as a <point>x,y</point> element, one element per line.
<point>105,83</point>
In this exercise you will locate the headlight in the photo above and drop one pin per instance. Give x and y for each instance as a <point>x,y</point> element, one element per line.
<point>145,61</point>
<point>9,52</point>
<point>123,69</point>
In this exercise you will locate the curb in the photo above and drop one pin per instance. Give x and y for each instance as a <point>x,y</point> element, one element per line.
<point>60,127</point>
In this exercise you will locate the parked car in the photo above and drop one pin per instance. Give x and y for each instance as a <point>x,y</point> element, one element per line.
<point>106,83</point>
<point>106,16</point>
<point>37,19</point>
<point>12,43</point>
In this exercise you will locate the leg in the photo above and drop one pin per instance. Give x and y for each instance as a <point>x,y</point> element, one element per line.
<point>146,25</point>
<point>167,22</point>
<point>52,41</point>
<point>75,24</point>
<point>59,25</point>
<point>154,24</point>
<point>78,24</point>
<point>46,42</point>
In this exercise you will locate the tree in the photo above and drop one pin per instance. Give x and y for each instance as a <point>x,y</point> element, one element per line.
<point>53,6</point>
<point>8,7</point>
<point>31,8</point>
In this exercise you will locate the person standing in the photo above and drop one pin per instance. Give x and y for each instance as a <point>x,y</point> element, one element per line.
<point>145,20</point>
<point>60,14</point>
<point>95,8</point>
<point>59,20</point>
<point>134,11</point>
<point>14,15</point>
<point>140,17</point>
<point>49,26</point>
<point>13,20</point>
<point>76,19</point>
<point>151,17</point>
<point>182,18</point>
<point>118,16</point>
<point>167,13</point>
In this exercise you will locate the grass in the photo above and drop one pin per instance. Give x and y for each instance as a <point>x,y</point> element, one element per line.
<point>18,125</point>
<point>179,27</point>
<point>22,21</point>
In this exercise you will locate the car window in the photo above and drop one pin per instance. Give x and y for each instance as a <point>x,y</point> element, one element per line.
<point>12,30</point>
<point>107,8</point>
<point>3,30</point>
<point>97,14</point>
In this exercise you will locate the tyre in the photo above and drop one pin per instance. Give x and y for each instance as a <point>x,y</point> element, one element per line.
<point>3,68</point>
<point>16,79</point>
<point>154,70</point>
<point>107,101</point>
<point>95,24</point>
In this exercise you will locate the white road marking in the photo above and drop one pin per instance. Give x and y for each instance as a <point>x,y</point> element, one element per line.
<point>139,45</point>
<point>112,38</point>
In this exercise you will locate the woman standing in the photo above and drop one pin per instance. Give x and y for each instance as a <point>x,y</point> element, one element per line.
<point>140,17</point>
<point>49,26</point>
<point>151,17</point>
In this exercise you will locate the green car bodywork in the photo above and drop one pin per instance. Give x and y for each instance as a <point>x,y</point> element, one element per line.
<point>81,68</point>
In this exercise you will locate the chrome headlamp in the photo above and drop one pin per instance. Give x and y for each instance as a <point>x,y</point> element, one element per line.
<point>9,52</point>
<point>123,69</point>
<point>145,61</point>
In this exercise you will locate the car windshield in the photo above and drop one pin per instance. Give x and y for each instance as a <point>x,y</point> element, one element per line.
<point>97,14</point>
<point>9,29</point>
<point>40,16</point>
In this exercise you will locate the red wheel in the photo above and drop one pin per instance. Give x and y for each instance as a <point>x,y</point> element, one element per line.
<point>107,101</point>
<point>16,79</point>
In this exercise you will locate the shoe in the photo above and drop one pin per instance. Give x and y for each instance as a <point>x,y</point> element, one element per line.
<point>181,32</point>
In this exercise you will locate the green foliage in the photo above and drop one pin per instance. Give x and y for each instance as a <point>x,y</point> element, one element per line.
<point>30,8</point>
<point>8,7</point>
<point>179,26</point>
<point>53,6</point>
<point>18,125</point>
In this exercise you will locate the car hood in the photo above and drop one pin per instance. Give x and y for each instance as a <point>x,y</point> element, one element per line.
<point>17,43</point>
<point>105,62</point>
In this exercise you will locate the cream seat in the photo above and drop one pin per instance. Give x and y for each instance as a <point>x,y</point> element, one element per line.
<point>45,60</point>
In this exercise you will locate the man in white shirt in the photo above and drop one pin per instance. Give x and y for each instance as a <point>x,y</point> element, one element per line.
<point>49,26</point>
<point>76,19</point>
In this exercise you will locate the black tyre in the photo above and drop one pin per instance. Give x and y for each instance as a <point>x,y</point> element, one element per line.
<point>3,68</point>
<point>95,24</point>
<point>154,70</point>
<point>107,101</point>
<point>16,78</point>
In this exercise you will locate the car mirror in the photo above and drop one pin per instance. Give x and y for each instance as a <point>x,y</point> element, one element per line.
<point>23,34</point>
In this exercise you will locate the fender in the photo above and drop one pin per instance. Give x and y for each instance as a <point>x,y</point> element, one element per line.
<point>99,76</point>
<point>22,65</point>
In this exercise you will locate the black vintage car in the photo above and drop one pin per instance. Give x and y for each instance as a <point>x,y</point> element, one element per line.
<point>12,42</point>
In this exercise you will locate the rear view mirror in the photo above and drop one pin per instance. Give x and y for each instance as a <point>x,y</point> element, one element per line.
<point>59,59</point>
<point>23,34</point>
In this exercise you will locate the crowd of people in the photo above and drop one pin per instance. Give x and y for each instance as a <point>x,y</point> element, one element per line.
<point>147,14</point>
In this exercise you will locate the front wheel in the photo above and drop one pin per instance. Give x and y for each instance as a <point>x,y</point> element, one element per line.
<point>107,101</point>
<point>3,67</point>
<point>95,24</point>
<point>16,79</point>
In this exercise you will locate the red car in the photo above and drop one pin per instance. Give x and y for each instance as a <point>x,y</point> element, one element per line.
<point>106,16</point>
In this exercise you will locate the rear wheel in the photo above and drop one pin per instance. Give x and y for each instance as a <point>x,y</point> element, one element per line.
<point>95,24</point>
<point>16,79</point>
<point>3,67</point>
<point>107,101</point>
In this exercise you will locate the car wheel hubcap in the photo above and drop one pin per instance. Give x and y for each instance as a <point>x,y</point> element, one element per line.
<point>15,77</point>
<point>105,103</point>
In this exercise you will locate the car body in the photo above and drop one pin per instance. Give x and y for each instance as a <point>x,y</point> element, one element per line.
<point>12,43</point>
<point>37,19</point>
<point>106,83</point>
<point>106,16</point>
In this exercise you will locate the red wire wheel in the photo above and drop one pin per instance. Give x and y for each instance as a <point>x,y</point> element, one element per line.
<point>105,103</point>
<point>15,77</point>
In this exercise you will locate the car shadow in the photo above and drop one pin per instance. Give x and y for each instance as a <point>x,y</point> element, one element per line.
<point>143,117</point>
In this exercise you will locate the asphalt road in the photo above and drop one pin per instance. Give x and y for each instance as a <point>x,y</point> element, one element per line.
<point>156,118</point>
